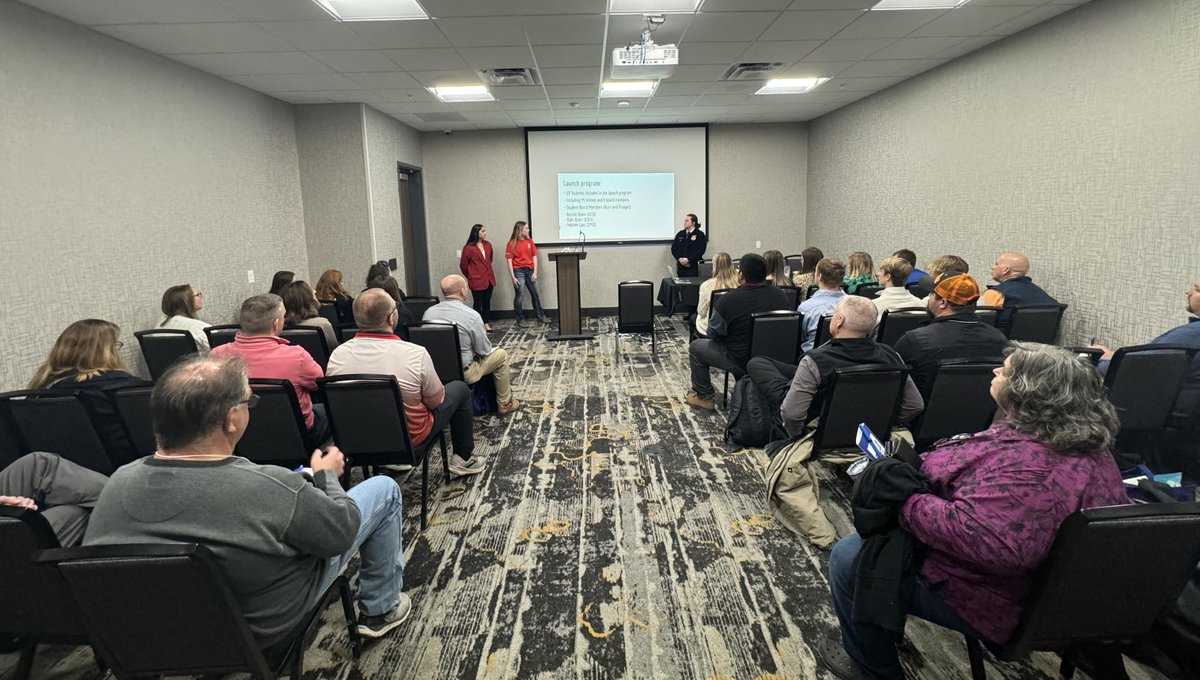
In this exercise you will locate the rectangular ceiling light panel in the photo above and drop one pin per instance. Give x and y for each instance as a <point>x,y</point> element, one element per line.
<point>373,10</point>
<point>652,6</point>
<point>628,88</point>
<point>790,85</point>
<point>465,93</point>
<point>919,4</point>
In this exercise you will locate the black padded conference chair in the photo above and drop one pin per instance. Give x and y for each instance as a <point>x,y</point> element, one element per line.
<point>329,312</point>
<point>312,339</point>
<point>347,333</point>
<point>419,304</point>
<point>443,343</point>
<point>1091,354</point>
<point>812,288</point>
<point>220,334</point>
<point>11,447</point>
<point>167,609</point>
<point>59,423</point>
<point>133,406</point>
<point>1143,382</point>
<point>775,335</point>
<point>896,322</point>
<point>635,312</point>
<point>869,394</point>
<point>276,434</point>
<point>868,290</point>
<point>793,296</point>
<point>958,401</point>
<point>705,269</point>
<point>988,315</point>
<point>1036,323</point>
<point>823,334</point>
<point>794,263</point>
<point>162,347</point>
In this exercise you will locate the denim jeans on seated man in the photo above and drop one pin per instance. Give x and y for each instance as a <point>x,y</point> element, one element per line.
<point>525,279</point>
<point>704,354</point>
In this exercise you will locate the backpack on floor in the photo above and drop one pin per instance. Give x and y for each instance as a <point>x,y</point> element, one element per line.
<point>751,423</point>
<point>483,396</point>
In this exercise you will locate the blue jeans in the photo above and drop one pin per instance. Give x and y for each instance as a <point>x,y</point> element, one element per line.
<point>378,543</point>
<point>871,648</point>
<point>525,275</point>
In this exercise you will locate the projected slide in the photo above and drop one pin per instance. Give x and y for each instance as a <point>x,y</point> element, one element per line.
<point>616,205</point>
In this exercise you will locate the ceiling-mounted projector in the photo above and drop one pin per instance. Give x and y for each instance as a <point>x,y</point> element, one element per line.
<point>644,60</point>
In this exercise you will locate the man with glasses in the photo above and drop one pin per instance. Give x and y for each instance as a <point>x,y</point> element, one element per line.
<point>281,537</point>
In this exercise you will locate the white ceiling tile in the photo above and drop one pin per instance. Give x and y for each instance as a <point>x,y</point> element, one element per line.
<point>536,121</point>
<point>353,61</point>
<point>1030,18</point>
<point>481,32</point>
<point>968,45</point>
<point>744,5</point>
<point>969,21</point>
<point>570,76</point>
<point>478,107</point>
<point>700,72</point>
<point>301,98</point>
<point>889,68</point>
<point>467,8</point>
<point>316,35</point>
<point>399,34</point>
<point>254,63</point>
<point>832,4</point>
<point>889,24</point>
<point>861,84</point>
<point>407,95</point>
<point>524,105</point>
<point>781,100</point>
<point>297,82</point>
<point>519,92</point>
<point>742,87</point>
<point>276,10</point>
<point>711,52</point>
<point>809,25</point>
<point>678,100</point>
<point>675,88</point>
<point>916,48</point>
<point>198,38</point>
<point>721,99</point>
<point>786,51</point>
<point>420,107</point>
<point>92,13</point>
<point>624,29</point>
<point>567,56</point>
<point>848,50</point>
<point>427,59</point>
<point>815,69</point>
<point>657,120</point>
<point>564,29</point>
<point>365,96</point>
<point>483,118</point>
<point>993,3</point>
<point>729,26</point>
<point>528,7</point>
<point>393,80</point>
<point>581,112</point>
<point>497,57</point>
<point>583,103</point>
<point>446,77</point>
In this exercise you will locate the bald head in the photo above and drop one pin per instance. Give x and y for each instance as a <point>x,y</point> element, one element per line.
<point>454,287</point>
<point>853,317</point>
<point>1009,266</point>
<point>372,310</point>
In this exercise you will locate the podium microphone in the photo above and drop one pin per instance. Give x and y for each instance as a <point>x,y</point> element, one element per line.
<point>583,242</point>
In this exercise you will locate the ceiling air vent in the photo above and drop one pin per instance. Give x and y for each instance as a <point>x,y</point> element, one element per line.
<point>509,77</point>
<point>754,70</point>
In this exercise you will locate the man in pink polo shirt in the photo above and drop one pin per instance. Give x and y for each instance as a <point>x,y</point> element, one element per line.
<point>267,355</point>
<point>428,405</point>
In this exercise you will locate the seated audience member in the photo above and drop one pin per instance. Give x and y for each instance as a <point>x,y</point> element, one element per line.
<point>331,288</point>
<point>860,270</point>
<point>180,304</point>
<point>428,405</point>
<point>954,332</point>
<point>911,258</point>
<point>724,277</point>
<point>479,358</point>
<point>404,315</point>
<point>809,258</point>
<point>797,392</point>
<point>727,346</point>
<point>947,263</point>
<point>269,356</point>
<point>84,359</point>
<point>996,501</point>
<point>893,273</point>
<point>1013,286</point>
<point>775,269</point>
<point>279,280</point>
<point>280,537</point>
<point>301,308</point>
<point>62,491</point>
<point>829,272</point>
<point>381,270</point>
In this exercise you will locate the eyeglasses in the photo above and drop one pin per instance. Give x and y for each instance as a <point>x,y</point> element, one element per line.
<point>250,401</point>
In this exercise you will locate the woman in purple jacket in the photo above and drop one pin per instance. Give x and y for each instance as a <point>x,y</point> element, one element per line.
<point>998,499</point>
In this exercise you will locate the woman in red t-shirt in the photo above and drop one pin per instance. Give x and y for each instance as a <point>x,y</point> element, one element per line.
<point>476,266</point>
<point>521,254</point>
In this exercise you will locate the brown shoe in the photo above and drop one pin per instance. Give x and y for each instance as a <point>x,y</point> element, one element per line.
<point>508,408</point>
<point>700,402</point>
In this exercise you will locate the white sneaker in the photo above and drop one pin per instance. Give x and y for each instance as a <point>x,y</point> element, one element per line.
<point>402,467</point>
<point>378,626</point>
<point>462,468</point>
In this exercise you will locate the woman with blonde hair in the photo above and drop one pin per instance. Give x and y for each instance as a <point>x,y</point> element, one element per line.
<point>84,360</point>
<point>301,308</point>
<point>860,269</point>
<point>723,276</point>
<point>180,305</point>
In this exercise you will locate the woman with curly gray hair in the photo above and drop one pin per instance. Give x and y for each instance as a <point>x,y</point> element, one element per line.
<point>997,499</point>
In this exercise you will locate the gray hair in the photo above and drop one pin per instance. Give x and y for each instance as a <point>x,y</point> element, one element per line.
<point>859,313</point>
<point>259,313</point>
<point>1057,397</point>
<point>191,399</point>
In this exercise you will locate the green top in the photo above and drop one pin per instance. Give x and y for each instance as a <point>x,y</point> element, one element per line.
<point>852,284</point>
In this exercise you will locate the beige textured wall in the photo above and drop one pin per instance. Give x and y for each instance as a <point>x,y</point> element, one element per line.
<point>388,141</point>
<point>123,173</point>
<point>1075,142</point>
<point>756,181</point>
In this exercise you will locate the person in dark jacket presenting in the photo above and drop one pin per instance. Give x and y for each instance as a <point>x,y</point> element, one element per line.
<point>688,247</point>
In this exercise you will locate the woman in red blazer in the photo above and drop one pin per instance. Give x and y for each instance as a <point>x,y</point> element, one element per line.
<point>476,265</point>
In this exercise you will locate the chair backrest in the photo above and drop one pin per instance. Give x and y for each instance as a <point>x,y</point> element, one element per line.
<point>366,414</point>
<point>896,322</point>
<point>1110,574</point>
<point>635,306</point>
<point>776,335</point>
<point>793,296</point>
<point>161,347</point>
<point>418,304</point>
<point>11,447</point>
<point>312,339</point>
<point>59,423</point>
<point>36,600</point>
<point>133,406</point>
<point>812,288</point>
<point>959,400</point>
<point>705,269</point>
<point>1036,323</point>
<point>868,290</point>
<point>914,289</point>
<point>275,434</point>
<point>868,394</point>
<point>221,334</point>
<point>348,333</point>
<point>159,609</point>
<point>441,339</point>
<point>328,311</point>
<point>794,263</point>
<point>823,334</point>
<point>1143,382</point>
<point>988,315</point>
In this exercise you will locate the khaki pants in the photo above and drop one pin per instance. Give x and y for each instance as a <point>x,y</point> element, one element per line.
<point>496,364</point>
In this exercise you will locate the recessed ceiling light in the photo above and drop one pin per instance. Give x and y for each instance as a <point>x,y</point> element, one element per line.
<point>919,4</point>
<point>790,85</point>
<point>463,93</point>
<point>652,6</point>
<point>628,88</point>
<point>373,10</point>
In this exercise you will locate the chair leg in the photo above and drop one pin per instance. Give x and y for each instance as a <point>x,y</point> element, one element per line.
<point>725,390</point>
<point>25,662</point>
<point>445,455</point>
<point>424,490</point>
<point>348,610</point>
<point>975,655</point>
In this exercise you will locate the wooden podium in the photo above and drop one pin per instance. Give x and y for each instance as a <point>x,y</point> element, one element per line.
<point>569,318</point>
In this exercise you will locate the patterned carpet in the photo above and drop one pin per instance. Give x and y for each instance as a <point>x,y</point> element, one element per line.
<point>611,536</point>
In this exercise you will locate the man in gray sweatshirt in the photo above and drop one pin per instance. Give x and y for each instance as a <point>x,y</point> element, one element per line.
<point>280,537</point>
